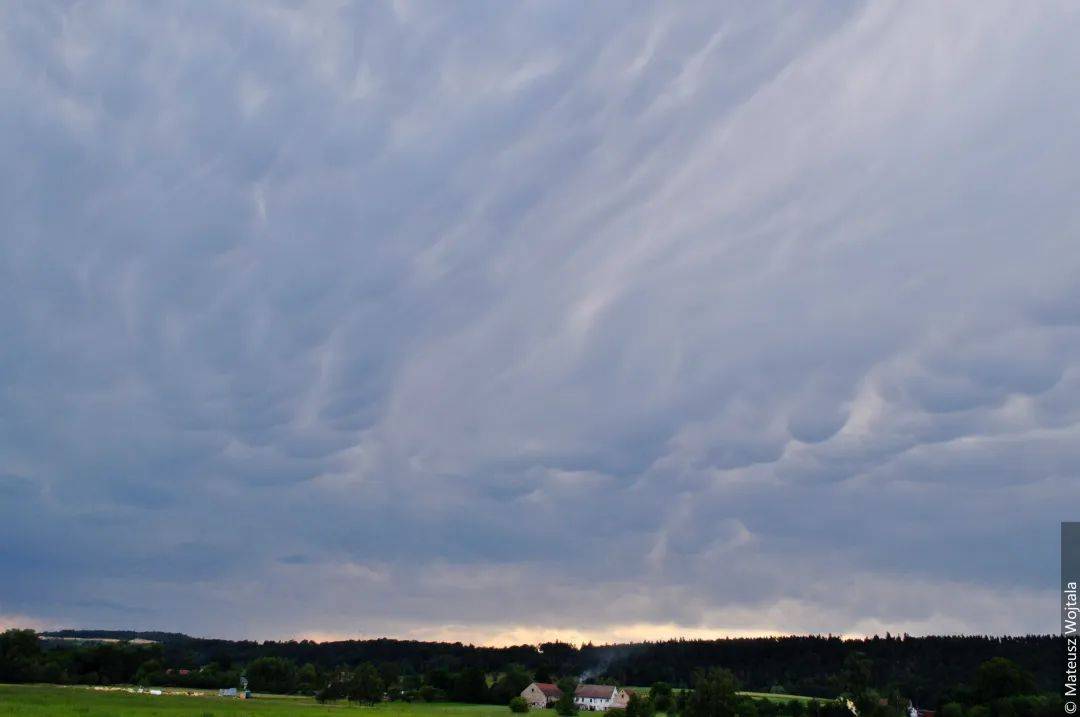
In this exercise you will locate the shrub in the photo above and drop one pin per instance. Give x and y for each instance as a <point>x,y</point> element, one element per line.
<point>518,705</point>
<point>639,706</point>
<point>662,697</point>
<point>565,706</point>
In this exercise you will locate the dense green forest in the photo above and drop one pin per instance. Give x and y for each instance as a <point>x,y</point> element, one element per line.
<point>929,670</point>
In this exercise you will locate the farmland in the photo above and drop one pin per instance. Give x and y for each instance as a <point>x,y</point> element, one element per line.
<point>54,701</point>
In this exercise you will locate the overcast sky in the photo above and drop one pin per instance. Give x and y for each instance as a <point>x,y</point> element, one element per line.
<point>507,321</point>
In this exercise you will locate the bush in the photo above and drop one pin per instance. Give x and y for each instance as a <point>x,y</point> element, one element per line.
<point>564,706</point>
<point>639,706</point>
<point>746,708</point>
<point>518,705</point>
<point>661,695</point>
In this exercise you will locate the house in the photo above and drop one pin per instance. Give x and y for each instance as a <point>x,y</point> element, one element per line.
<point>596,698</point>
<point>539,695</point>
<point>588,698</point>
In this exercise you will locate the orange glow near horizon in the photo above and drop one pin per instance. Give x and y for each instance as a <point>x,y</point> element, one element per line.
<point>506,635</point>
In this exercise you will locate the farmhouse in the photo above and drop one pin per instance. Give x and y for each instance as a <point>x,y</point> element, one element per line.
<point>541,694</point>
<point>589,698</point>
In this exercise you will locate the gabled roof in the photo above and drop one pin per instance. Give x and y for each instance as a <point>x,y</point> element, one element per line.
<point>594,691</point>
<point>549,689</point>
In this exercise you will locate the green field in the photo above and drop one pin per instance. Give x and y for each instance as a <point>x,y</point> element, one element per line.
<point>54,701</point>
<point>779,698</point>
<point>756,695</point>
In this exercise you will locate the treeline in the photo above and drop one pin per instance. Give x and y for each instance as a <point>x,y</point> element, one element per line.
<point>929,670</point>
<point>997,688</point>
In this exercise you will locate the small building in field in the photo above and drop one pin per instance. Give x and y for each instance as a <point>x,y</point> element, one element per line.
<point>539,695</point>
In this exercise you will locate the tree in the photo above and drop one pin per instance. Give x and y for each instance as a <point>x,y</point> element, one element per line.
<point>470,685</point>
<point>713,694</point>
<point>767,708</point>
<point>518,705</point>
<point>661,695</point>
<point>511,682</point>
<point>638,706</point>
<point>20,654</point>
<point>330,692</point>
<point>747,708</point>
<point>564,706</point>
<point>390,672</point>
<point>271,674</point>
<point>855,678</point>
<point>366,685</point>
<point>1000,677</point>
<point>307,678</point>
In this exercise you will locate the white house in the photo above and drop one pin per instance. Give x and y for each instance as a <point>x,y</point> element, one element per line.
<point>599,698</point>
<point>588,698</point>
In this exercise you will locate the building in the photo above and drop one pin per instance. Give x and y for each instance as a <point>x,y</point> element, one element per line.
<point>597,698</point>
<point>541,694</point>
<point>588,698</point>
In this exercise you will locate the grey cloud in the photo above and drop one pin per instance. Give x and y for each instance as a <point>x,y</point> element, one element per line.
<point>371,314</point>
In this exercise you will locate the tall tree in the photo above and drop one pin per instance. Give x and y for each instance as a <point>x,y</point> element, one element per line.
<point>713,694</point>
<point>366,685</point>
<point>999,677</point>
<point>661,695</point>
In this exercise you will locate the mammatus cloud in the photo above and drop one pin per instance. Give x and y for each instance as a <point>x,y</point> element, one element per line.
<point>506,322</point>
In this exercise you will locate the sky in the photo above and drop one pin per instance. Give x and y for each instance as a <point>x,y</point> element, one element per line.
<point>506,322</point>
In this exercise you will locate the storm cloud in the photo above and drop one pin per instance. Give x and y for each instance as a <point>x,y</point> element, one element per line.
<point>499,321</point>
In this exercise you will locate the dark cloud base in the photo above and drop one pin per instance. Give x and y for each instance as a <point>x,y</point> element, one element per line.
<point>508,320</point>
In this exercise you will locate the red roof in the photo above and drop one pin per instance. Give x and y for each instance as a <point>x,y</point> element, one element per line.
<point>549,689</point>
<point>594,691</point>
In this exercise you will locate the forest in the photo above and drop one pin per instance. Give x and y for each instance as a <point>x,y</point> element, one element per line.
<point>929,670</point>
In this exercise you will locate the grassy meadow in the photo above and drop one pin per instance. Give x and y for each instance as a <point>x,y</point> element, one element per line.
<point>773,697</point>
<point>60,701</point>
<point>55,701</point>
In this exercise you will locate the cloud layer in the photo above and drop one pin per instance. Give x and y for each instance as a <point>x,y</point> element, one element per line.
<point>505,320</point>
